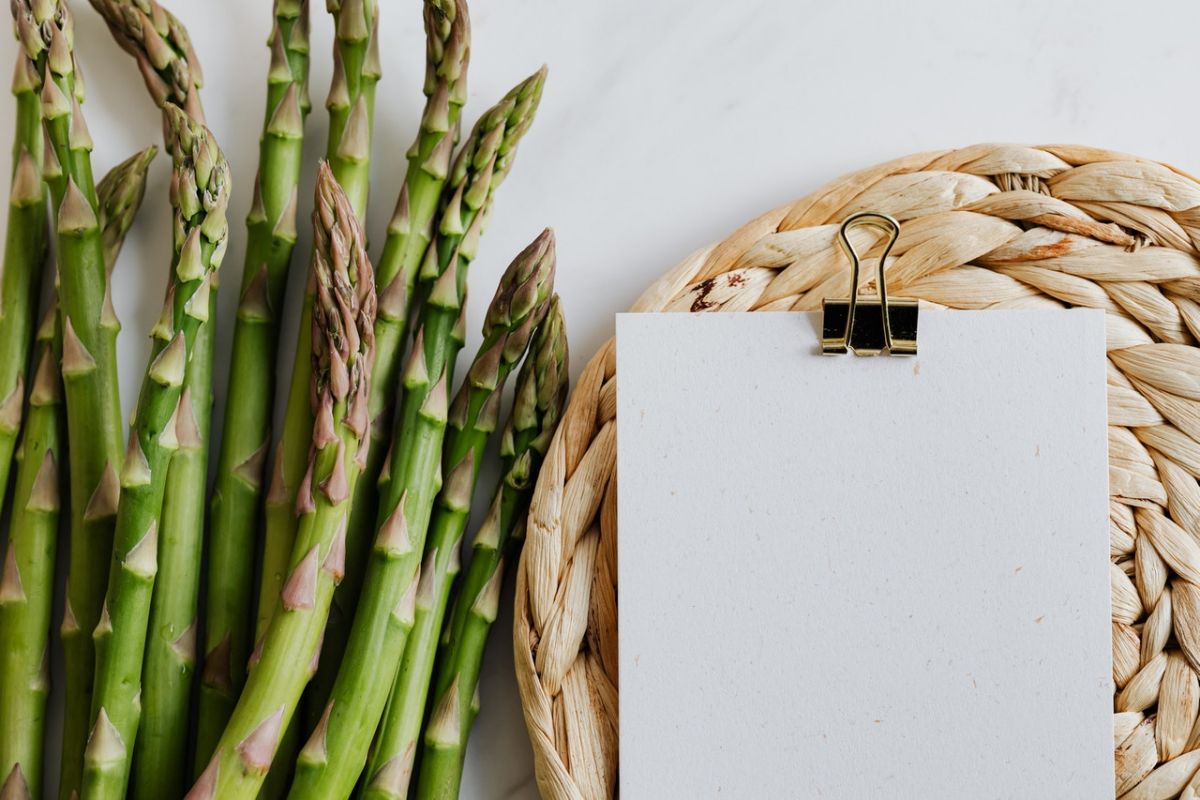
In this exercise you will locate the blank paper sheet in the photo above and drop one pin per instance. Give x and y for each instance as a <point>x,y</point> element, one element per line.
<point>848,577</point>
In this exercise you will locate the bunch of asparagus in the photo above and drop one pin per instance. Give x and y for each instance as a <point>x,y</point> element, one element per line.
<point>338,644</point>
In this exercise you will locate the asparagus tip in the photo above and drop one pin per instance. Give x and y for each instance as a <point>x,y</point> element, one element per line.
<point>344,299</point>
<point>520,299</point>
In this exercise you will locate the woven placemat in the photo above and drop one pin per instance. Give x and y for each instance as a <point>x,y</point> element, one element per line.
<point>988,226</point>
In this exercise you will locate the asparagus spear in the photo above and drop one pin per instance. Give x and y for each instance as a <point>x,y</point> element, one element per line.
<point>538,402</point>
<point>237,492</point>
<point>335,754</point>
<point>342,338</point>
<point>88,353</point>
<point>27,585</point>
<point>160,766</point>
<point>447,37</point>
<point>351,105</point>
<point>514,315</point>
<point>199,195</point>
<point>163,51</point>
<point>24,256</point>
<point>160,754</point>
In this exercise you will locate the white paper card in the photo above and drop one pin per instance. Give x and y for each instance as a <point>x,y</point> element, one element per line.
<point>850,577</point>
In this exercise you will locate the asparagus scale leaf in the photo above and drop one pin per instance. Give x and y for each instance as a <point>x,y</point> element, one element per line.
<point>342,342</point>
<point>164,419</point>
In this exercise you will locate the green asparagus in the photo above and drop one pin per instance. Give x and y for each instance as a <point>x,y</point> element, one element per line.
<point>162,49</point>
<point>351,105</point>
<point>447,37</point>
<point>88,353</point>
<point>26,588</point>
<point>159,764</point>
<point>336,753</point>
<point>237,492</point>
<point>342,340</point>
<point>356,71</point>
<point>199,196</point>
<point>538,403</point>
<point>367,649</point>
<point>514,315</point>
<point>24,258</point>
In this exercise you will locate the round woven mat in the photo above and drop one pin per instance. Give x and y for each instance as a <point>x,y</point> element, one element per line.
<point>989,226</point>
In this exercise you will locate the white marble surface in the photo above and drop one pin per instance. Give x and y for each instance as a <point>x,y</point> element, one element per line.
<point>665,124</point>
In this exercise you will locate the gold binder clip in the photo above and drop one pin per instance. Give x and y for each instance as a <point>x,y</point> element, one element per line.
<point>872,325</point>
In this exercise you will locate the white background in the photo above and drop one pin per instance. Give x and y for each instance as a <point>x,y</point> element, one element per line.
<point>665,124</point>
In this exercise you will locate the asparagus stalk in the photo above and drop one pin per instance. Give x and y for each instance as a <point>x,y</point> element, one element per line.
<point>538,402</point>
<point>27,582</point>
<point>351,106</point>
<point>88,353</point>
<point>199,195</point>
<point>160,755</point>
<point>335,754</point>
<point>159,765</point>
<point>447,37</point>
<point>24,256</point>
<point>161,747</point>
<point>163,51</point>
<point>27,586</point>
<point>514,315</point>
<point>237,492</point>
<point>342,338</point>
<point>351,101</point>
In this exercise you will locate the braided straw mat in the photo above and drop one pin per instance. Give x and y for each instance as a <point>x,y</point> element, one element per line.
<point>989,226</point>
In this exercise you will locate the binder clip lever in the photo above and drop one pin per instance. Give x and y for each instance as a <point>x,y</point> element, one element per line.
<point>869,326</point>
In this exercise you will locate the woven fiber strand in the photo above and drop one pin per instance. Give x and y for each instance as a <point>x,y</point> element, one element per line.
<point>988,226</point>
